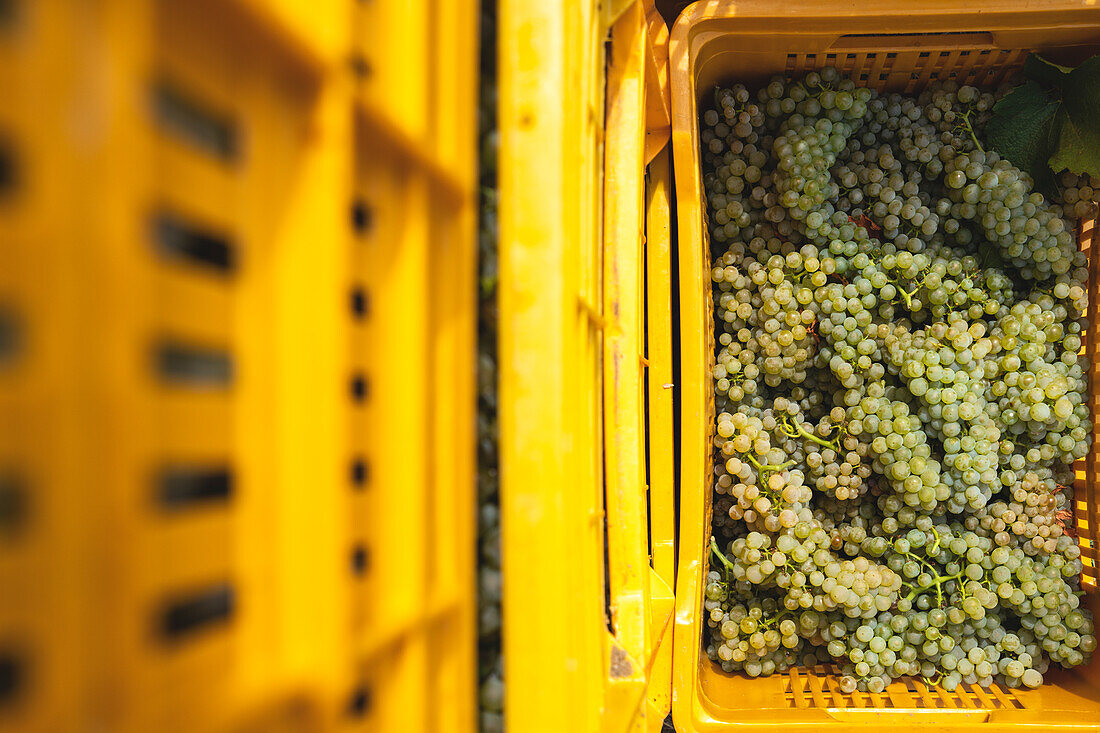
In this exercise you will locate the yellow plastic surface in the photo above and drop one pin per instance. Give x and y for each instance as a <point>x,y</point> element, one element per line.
<point>229,274</point>
<point>576,382</point>
<point>414,76</point>
<point>39,405</point>
<point>662,466</point>
<point>724,41</point>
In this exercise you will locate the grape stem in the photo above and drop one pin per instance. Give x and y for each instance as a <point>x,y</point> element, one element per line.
<point>794,430</point>
<point>765,468</point>
<point>937,579</point>
<point>908,296</point>
<point>935,680</point>
<point>927,565</point>
<point>912,232</point>
<point>966,125</point>
<point>766,624</point>
<point>725,561</point>
<point>937,583</point>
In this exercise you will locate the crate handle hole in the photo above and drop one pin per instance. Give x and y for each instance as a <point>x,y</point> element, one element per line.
<point>955,40</point>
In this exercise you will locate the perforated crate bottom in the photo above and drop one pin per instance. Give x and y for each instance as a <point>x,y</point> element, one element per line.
<point>818,687</point>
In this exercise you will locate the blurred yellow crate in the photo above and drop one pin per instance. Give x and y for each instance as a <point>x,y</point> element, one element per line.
<point>896,46</point>
<point>585,366</point>
<point>236,369</point>
<point>40,565</point>
<point>413,77</point>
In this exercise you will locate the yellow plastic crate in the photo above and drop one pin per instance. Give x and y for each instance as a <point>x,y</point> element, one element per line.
<point>585,366</point>
<point>236,368</point>
<point>35,300</point>
<point>413,74</point>
<point>894,46</point>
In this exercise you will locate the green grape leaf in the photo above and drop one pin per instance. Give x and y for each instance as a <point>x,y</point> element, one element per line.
<point>1079,143</point>
<point>1051,123</point>
<point>1023,130</point>
<point>1045,72</point>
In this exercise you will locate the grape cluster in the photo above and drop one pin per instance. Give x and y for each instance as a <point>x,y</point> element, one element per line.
<point>755,638</point>
<point>899,390</point>
<point>764,311</point>
<point>1079,194</point>
<point>939,367</point>
<point>754,474</point>
<point>992,193</point>
<point>840,468</point>
<point>1038,381</point>
<point>1032,513</point>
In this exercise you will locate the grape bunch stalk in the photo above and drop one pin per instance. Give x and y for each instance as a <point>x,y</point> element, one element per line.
<point>899,388</point>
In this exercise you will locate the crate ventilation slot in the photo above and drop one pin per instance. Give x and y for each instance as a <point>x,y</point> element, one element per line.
<point>908,70</point>
<point>360,702</point>
<point>181,488</point>
<point>11,676</point>
<point>9,14</point>
<point>818,688</point>
<point>178,113</point>
<point>361,216</point>
<point>8,166</point>
<point>9,337</point>
<point>13,505</point>
<point>182,240</point>
<point>189,614</point>
<point>186,365</point>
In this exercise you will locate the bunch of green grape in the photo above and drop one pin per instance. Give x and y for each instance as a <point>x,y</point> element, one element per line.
<point>899,390</point>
